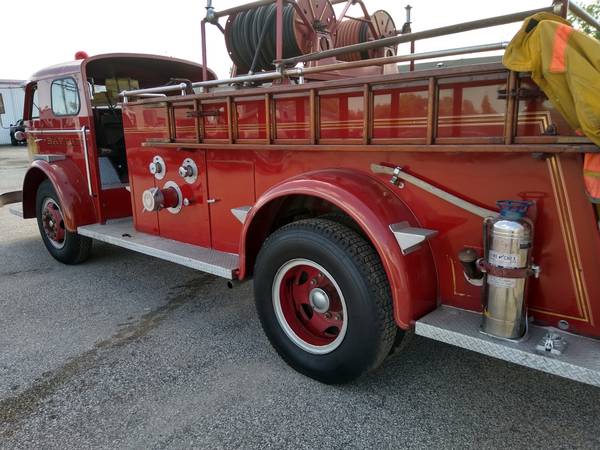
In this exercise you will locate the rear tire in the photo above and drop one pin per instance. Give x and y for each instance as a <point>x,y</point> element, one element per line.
<point>64,245</point>
<point>324,301</point>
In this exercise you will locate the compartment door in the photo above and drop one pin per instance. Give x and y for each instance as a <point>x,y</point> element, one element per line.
<point>230,185</point>
<point>191,224</point>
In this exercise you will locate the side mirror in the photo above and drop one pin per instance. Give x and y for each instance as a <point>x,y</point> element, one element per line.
<point>2,110</point>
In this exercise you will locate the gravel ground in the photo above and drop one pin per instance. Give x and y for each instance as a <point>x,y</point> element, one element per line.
<point>126,351</point>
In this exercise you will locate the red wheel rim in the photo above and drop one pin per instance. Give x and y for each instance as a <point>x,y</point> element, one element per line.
<point>309,306</point>
<point>53,223</point>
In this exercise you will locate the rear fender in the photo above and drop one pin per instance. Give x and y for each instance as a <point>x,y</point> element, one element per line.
<point>374,207</point>
<point>76,204</point>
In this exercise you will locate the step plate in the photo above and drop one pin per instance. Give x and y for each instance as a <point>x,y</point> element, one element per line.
<point>122,234</point>
<point>16,210</point>
<point>580,361</point>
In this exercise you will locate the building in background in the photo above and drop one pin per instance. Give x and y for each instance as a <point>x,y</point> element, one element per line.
<point>13,95</point>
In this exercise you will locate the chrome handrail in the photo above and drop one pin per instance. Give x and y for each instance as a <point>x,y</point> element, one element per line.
<point>416,36</point>
<point>154,90</point>
<point>300,72</point>
<point>60,131</point>
<point>83,132</point>
<point>581,13</point>
<point>385,42</point>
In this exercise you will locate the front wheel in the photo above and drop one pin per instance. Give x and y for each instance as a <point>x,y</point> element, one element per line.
<point>324,301</point>
<point>64,245</point>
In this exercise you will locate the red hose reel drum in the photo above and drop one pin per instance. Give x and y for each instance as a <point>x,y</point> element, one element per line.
<point>319,36</point>
<point>356,31</point>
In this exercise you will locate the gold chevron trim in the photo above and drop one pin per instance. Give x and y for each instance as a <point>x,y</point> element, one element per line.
<point>567,227</point>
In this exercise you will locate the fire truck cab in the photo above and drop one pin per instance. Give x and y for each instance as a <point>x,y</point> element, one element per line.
<point>354,194</point>
<point>76,138</point>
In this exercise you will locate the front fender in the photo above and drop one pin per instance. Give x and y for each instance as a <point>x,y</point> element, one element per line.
<point>374,207</point>
<point>76,204</point>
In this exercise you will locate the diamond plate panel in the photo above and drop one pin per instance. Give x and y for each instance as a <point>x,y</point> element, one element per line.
<point>122,234</point>
<point>579,362</point>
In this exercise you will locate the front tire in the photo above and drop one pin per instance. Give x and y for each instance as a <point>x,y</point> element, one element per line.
<point>324,301</point>
<point>64,245</point>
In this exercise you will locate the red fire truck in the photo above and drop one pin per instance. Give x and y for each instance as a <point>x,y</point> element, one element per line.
<point>365,201</point>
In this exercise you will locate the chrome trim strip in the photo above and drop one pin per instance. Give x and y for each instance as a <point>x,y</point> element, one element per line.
<point>59,131</point>
<point>49,158</point>
<point>87,160</point>
<point>397,173</point>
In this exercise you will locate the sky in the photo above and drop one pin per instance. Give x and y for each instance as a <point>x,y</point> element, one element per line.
<point>40,33</point>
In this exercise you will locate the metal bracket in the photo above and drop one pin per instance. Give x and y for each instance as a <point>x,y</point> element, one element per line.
<point>474,281</point>
<point>241,213</point>
<point>552,344</point>
<point>409,238</point>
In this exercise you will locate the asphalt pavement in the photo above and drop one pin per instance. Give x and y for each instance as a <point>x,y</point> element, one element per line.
<point>126,351</point>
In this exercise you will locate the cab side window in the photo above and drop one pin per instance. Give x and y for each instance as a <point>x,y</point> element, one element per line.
<point>65,97</point>
<point>35,104</point>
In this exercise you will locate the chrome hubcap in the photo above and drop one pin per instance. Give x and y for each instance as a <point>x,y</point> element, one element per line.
<point>319,300</point>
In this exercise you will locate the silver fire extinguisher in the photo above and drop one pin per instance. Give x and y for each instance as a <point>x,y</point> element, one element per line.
<point>507,264</point>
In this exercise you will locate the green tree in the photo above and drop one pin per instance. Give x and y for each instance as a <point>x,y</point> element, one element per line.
<point>594,10</point>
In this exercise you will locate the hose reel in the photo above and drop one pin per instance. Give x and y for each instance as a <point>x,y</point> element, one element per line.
<point>250,35</point>
<point>356,31</point>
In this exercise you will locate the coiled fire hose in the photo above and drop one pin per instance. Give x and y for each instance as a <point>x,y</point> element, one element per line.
<point>250,38</point>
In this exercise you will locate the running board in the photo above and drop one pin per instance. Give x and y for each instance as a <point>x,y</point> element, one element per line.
<point>16,210</point>
<point>10,197</point>
<point>122,233</point>
<point>566,355</point>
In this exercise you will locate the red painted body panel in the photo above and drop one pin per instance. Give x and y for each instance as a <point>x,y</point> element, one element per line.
<point>78,208</point>
<point>108,203</point>
<point>261,172</point>
<point>193,221</point>
<point>223,177</point>
<point>373,207</point>
<point>567,242</point>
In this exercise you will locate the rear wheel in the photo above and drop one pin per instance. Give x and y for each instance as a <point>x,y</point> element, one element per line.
<point>324,301</point>
<point>64,245</point>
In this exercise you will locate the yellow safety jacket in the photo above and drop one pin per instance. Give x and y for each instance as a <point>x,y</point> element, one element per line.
<point>565,64</point>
